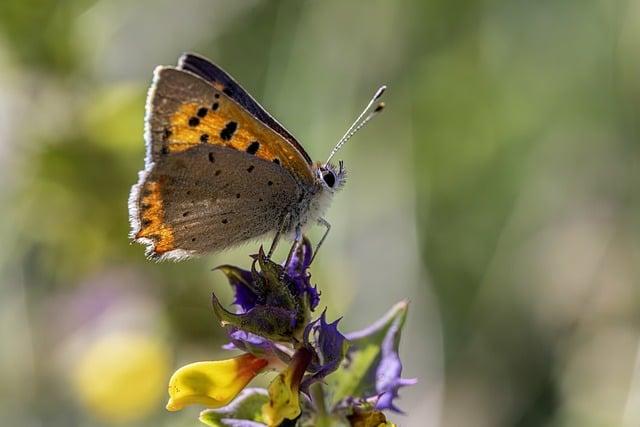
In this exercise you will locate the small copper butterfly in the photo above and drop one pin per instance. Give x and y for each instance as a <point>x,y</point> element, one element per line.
<point>219,170</point>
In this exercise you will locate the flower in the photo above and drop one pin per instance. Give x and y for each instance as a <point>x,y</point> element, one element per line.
<point>242,282</point>
<point>328,346</point>
<point>297,271</point>
<point>284,390</point>
<point>213,384</point>
<point>388,374</point>
<point>384,374</point>
<point>272,326</point>
<point>273,307</point>
<point>274,302</point>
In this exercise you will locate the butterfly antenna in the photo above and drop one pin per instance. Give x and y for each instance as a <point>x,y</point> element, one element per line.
<point>372,108</point>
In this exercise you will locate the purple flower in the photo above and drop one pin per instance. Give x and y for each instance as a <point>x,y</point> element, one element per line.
<point>383,380</point>
<point>246,341</point>
<point>243,340</point>
<point>297,271</point>
<point>243,286</point>
<point>388,374</point>
<point>256,345</point>
<point>274,302</point>
<point>272,326</point>
<point>249,287</point>
<point>329,347</point>
<point>301,259</point>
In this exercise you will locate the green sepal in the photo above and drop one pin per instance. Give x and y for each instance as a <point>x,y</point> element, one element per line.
<point>274,323</point>
<point>247,408</point>
<point>274,282</point>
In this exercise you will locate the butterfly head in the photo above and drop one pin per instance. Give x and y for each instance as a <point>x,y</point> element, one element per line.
<point>331,177</point>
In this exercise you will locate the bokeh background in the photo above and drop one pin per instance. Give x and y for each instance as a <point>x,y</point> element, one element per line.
<point>499,192</point>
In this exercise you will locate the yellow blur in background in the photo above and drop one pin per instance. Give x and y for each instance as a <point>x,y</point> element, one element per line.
<point>120,377</point>
<point>498,192</point>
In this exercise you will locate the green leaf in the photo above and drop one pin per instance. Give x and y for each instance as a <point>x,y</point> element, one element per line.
<point>357,375</point>
<point>244,411</point>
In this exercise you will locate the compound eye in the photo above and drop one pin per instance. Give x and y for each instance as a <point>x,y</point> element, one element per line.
<point>329,178</point>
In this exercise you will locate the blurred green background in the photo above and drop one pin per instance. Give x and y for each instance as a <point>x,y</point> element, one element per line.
<point>499,192</point>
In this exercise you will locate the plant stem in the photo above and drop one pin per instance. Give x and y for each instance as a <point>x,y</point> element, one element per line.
<point>317,394</point>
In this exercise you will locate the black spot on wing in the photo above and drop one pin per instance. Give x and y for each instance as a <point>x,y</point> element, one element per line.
<point>194,121</point>
<point>204,137</point>
<point>202,112</point>
<point>212,73</point>
<point>227,133</point>
<point>253,147</point>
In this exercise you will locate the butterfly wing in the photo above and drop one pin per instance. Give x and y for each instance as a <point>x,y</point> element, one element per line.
<point>223,81</point>
<point>183,111</point>
<point>208,198</point>
<point>214,176</point>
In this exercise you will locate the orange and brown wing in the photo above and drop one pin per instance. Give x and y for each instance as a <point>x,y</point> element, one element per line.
<point>209,198</point>
<point>148,217</point>
<point>188,115</point>
<point>184,111</point>
<point>222,80</point>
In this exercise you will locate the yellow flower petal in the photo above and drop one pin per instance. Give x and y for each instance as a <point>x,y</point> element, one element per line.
<point>213,384</point>
<point>284,400</point>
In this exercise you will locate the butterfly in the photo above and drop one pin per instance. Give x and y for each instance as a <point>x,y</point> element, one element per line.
<point>220,171</point>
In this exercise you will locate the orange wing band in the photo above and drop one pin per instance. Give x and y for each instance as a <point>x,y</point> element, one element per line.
<point>152,225</point>
<point>224,123</point>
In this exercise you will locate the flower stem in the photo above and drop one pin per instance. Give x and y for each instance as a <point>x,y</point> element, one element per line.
<point>317,394</point>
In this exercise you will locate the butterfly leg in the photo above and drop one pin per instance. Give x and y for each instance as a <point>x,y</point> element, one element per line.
<point>274,244</point>
<point>326,224</point>
<point>296,242</point>
<point>276,238</point>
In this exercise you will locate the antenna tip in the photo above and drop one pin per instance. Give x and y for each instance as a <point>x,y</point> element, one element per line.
<point>380,91</point>
<point>379,108</point>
